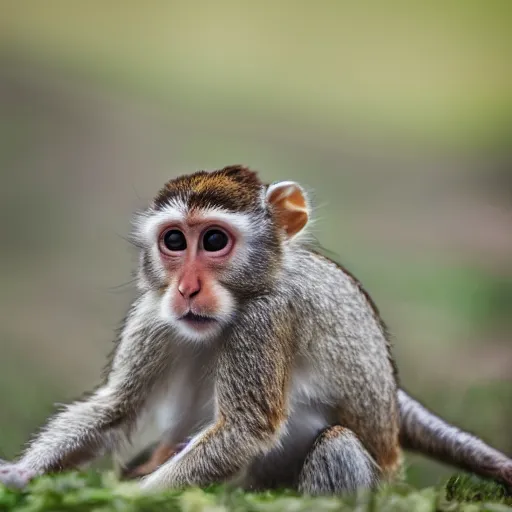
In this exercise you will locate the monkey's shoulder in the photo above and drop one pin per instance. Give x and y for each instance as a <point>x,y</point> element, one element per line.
<point>312,273</point>
<point>329,299</point>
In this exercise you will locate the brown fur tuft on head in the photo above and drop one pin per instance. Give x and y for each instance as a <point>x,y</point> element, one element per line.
<point>235,188</point>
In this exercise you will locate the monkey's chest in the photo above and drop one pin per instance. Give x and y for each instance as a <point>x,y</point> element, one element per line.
<point>186,403</point>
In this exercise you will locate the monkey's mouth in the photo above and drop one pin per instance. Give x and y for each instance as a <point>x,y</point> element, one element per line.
<point>198,321</point>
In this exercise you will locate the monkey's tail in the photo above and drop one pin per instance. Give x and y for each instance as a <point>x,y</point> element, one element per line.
<point>424,432</point>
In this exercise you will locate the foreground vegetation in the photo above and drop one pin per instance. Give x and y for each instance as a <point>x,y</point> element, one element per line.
<point>101,492</point>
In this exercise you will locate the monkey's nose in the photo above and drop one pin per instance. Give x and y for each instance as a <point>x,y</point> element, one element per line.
<point>189,288</point>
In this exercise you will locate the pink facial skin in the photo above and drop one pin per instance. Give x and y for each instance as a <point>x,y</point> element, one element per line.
<point>193,253</point>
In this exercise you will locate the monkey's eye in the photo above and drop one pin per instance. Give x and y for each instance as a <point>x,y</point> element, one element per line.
<point>215,240</point>
<point>174,240</point>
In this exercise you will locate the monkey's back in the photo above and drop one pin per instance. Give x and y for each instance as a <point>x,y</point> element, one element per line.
<point>342,352</point>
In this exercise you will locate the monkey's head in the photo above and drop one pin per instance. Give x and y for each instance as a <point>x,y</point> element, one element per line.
<point>211,240</point>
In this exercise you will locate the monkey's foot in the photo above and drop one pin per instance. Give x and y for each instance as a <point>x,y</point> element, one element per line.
<point>15,476</point>
<point>160,455</point>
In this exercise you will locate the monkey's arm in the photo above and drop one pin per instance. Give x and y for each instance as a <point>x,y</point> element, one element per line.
<point>253,371</point>
<point>91,426</point>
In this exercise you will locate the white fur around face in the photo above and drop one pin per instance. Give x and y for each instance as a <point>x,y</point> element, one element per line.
<point>148,225</point>
<point>165,310</point>
<point>243,223</point>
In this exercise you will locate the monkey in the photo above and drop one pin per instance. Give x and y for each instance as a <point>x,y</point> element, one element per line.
<point>272,361</point>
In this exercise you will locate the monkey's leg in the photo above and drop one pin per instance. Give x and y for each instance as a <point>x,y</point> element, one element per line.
<point>337,463</point>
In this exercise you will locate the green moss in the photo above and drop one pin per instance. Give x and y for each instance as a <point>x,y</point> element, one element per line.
<point>465,488</point>
<point>101,492</point>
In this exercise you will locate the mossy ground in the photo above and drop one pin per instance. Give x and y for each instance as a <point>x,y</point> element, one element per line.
<point>101,492</point>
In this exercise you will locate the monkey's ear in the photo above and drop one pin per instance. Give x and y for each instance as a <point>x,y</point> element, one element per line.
<point>289,202</point>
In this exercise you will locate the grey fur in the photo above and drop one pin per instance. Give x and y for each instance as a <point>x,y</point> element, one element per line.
<point>337,463</point>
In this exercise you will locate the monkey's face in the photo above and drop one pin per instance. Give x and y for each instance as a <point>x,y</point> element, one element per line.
<point>212,241</point>
<point>207,242</point>
<point>194,254</point>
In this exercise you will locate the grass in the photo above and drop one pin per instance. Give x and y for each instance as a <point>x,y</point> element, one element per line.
<point>101,492</point>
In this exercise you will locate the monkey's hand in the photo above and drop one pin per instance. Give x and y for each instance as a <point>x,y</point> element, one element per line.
<point>15,475</point>
<point>99,423</point>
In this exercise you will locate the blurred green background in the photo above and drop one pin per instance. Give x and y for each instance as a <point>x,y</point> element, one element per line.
<point>396,115</point>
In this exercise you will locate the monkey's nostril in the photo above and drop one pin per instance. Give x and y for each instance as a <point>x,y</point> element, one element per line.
<point>188,294</point>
